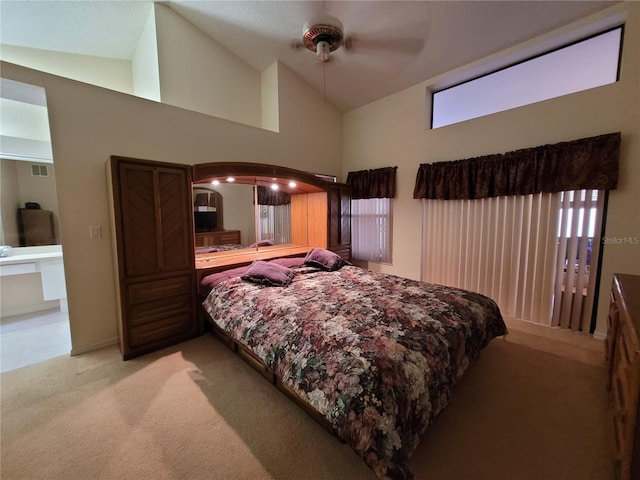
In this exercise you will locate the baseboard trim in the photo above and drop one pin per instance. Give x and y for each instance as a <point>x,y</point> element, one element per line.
<point>96,346</point>
<point>46,305</point>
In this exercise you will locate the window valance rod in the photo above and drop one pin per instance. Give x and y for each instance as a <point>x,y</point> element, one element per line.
<point>588,163</point>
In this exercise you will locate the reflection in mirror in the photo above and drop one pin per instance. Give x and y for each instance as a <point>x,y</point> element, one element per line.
<point>271,205</point>
<point>29,215</point>
<point>274,216</point>
<point>238,210</point>
<point>223,217</point>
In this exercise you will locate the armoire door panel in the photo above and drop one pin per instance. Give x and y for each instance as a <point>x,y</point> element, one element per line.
<point>139,223</point>
<point>175,212</point>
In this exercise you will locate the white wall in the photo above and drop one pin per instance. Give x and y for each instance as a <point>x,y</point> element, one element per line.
<point>174,62</point>
<point>199,74</point>
<point>270,105</point>
<point>391,132</point>
<point>24,131</point>
<point>144,64</point>
<point>104,72</point>
<point>22,294</point>
<point>88,124</point>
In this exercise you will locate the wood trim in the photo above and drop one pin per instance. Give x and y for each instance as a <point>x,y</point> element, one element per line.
<point>318,229</point>
<point>623,355</point>
<point>254,361</point>
<point>220,261</point>
<point>252,172</point>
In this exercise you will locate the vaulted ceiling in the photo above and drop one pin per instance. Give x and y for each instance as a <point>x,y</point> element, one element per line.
<point>394,44</point>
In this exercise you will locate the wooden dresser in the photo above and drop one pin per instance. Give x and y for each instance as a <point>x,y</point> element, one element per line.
<point>222,237</point>
<point>623,356</point>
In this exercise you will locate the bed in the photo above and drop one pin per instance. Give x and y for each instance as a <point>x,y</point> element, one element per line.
<point>373,357</point>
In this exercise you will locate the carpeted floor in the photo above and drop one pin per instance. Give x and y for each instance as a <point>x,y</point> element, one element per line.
<point>196,411</point>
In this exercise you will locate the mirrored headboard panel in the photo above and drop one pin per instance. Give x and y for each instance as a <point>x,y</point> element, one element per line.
<point>258,207</point>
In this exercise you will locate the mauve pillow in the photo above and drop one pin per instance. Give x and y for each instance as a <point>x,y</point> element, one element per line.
<point>270,274</point>
<point>325,259</point>
<point>210,281</point>
<point>289,262</point>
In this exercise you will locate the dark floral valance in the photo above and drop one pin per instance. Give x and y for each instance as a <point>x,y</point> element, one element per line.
<point>268,196</point>
<point>377,183</point>
<point>588,163</point>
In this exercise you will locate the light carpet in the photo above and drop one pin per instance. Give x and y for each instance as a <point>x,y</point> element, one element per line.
<point>197,411</point>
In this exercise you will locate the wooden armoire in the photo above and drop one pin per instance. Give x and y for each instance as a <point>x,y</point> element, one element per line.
<point>153,224</point>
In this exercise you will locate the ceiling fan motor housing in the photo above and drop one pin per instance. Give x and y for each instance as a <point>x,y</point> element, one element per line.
<point>322,34</point>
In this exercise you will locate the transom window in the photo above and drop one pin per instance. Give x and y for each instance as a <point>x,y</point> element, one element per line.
<point>586,64</point>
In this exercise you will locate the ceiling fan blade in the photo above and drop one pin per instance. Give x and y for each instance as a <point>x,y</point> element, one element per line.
<point>296,45</point>
<point>371,44</point>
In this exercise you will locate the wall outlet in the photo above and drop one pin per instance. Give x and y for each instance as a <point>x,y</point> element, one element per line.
<point>95,232</point>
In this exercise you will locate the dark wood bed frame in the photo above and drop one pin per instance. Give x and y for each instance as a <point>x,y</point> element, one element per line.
<point>253,360</point>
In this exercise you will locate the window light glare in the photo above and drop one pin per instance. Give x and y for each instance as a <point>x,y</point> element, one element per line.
<point>586,64</point>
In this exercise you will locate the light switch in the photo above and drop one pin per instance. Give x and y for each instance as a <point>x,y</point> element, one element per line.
<point>95,232</point>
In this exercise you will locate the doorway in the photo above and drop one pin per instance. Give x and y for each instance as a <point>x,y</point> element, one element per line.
<point>34,320</point>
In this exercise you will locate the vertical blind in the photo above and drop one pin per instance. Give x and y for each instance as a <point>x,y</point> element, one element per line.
<point>519,251</point>
<point>371,223</point>
<point>580,229</point>
<point>372,193</point>
<point>274,223</point>
<point>523,227</point>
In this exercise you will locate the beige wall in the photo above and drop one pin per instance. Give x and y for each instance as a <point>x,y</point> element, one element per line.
<point>391,132</point>
<point>88,124</point>
<point>10,194</point>
<point>101,71</point>
<point>269,98</point>
<point>200,74</point>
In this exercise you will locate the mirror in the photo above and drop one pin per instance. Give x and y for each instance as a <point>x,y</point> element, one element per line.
<point>21,185</point>
<point>224,217</point>
<point>268,206</point>
<point>221,210</point>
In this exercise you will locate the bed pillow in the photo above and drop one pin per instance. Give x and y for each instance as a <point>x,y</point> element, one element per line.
<point>289,262</point>
<point>210,281</point>
<point>268,273</point>
<point>261,243</point>
<point>324,259</point>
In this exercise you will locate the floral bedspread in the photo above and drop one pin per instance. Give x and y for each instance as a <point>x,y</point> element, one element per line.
<point>375,354</point>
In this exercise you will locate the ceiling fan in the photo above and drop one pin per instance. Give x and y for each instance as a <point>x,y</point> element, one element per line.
<point>323,36</point>
<point>326,34</point>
